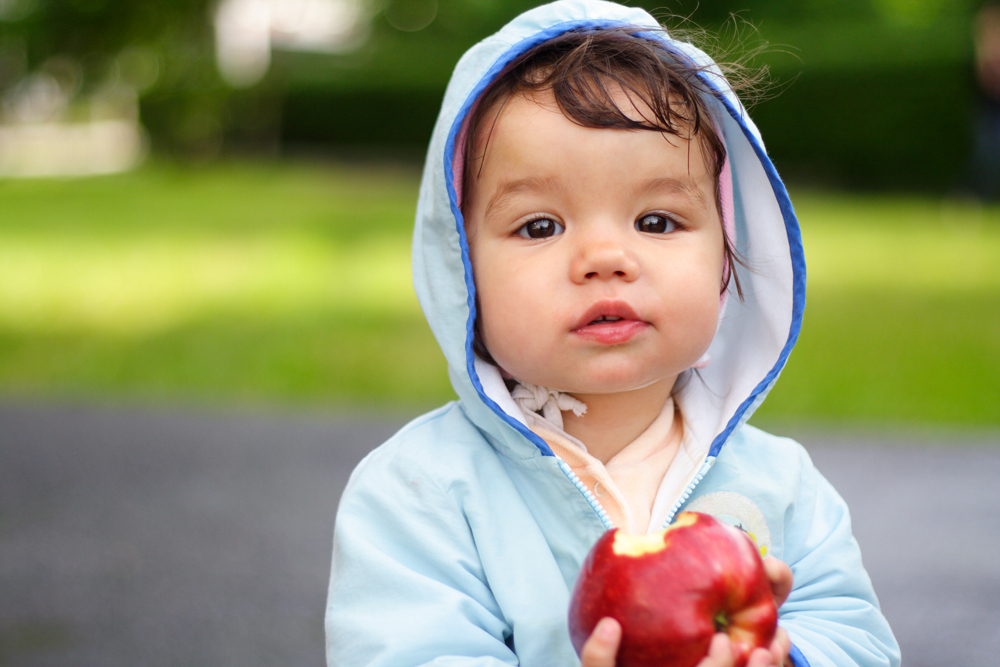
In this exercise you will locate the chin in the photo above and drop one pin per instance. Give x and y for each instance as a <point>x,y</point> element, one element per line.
<point>595,376</point>
<point>633,374</point>
<point>618,384</point>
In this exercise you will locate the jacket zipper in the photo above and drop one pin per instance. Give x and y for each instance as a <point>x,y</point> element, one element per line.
<point>602,513</point>
<point>705,467</point>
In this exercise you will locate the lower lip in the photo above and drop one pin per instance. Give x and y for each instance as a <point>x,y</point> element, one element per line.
<point>612,333</point>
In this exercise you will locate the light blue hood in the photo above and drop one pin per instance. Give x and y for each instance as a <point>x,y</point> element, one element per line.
<point>755,335</point>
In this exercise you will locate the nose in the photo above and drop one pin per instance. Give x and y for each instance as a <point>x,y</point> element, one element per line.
<point>603,258</point>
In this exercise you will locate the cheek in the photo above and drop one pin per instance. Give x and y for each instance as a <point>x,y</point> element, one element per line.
<point>498,303</point>
<point>695,298</point>
<point>708,322</point>
<point>696,320</point>
<point>515,316</point>
<point>503,309</point>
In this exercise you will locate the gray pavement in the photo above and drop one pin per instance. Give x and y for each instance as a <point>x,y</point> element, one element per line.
<point>132,536</point>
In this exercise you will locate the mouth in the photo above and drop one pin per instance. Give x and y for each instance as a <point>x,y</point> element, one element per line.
<point>606,311</point>
<point>610,323</point>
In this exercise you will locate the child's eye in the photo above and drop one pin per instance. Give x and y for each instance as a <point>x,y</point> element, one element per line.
<point>655,223</point>
<point>542,228</point>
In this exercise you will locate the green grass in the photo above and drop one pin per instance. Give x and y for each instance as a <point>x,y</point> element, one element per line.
<point>233,282</point>
<point>902,319</point>
<point>290,283</point>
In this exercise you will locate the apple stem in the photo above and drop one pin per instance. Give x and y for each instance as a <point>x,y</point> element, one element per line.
<point>721,622</point>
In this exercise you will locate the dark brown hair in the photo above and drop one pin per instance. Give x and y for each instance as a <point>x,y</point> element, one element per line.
<point>584,70</point>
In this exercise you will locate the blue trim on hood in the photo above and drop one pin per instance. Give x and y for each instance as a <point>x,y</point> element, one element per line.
<point>449,153</point>
<point>792,230</point>
<point>798,659</point>
<point>797,254</point>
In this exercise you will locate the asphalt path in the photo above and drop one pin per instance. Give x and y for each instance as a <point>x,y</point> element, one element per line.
<point>133,536</point>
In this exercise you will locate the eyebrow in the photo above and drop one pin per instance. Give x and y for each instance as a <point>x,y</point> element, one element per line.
<point>508,189</point>
<point>672,186</point>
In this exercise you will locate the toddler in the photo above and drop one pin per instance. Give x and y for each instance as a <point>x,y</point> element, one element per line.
<point>614,272</point>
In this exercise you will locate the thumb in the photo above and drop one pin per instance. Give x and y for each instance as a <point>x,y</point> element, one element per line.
<point>780,576</point>
<point>602,646</point>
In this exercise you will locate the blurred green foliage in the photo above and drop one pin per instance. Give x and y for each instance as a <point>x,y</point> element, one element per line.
<point>867,93</point>
<point>163,50</point>
<point>270,282</point>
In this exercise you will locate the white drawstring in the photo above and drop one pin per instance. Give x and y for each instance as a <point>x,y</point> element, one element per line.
<point>551,403</point>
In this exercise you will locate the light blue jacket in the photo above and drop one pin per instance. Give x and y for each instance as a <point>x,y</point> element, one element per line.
<point>458,541</point>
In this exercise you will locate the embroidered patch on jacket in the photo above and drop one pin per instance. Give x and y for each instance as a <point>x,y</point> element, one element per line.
<point>736,510</point>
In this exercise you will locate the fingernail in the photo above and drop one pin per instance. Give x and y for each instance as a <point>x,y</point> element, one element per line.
<point>606,629</point>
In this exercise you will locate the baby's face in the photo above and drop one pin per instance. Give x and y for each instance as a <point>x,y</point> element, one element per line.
<point>597,254</point>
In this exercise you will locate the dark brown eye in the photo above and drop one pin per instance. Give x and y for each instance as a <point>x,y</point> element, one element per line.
<point>654,223</point>
<point>542,228</point>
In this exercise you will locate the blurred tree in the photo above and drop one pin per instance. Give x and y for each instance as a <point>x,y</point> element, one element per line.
<point>161,50</point>
<point>905,61</point>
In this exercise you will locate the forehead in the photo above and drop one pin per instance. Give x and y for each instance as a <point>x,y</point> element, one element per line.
<point>528,140</point>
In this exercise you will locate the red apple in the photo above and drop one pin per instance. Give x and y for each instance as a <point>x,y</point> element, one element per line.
<point>671,591</point>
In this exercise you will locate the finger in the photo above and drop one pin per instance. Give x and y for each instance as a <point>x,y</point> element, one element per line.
<point>720,652</point>
<point>602,646</point>
<point>780,576</point>
<point>761,657</point>
<point>780,647</point>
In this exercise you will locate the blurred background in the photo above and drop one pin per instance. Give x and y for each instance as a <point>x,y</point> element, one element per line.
<point>205,210</point>
<point>211,201</point>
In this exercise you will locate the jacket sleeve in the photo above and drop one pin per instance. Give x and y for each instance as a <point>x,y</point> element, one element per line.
<point>832,614</point>
<point>407,586</point>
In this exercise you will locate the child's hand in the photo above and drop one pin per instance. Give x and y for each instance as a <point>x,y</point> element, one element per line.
<point>602,646</point>
<point>780,576</point>
<point>720,652</point>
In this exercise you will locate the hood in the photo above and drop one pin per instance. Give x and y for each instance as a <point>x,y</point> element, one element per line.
<point>755,335</point>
